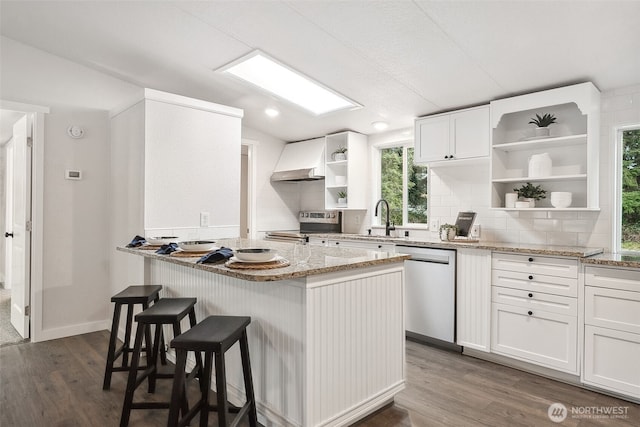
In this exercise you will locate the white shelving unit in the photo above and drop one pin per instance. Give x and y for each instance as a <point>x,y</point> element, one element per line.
<point>573,145</point>
<point>350,175</point>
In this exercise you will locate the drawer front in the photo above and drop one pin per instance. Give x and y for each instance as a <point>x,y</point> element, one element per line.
<point>611,360</point>
<point>546,339</point>
<point>535,301</point>
<point>611,308</point>
<point>534,282</point>
<point>628,280</point>
<point>534,264</point>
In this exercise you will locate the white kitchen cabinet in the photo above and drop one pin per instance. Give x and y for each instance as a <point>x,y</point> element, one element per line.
<point>534,309</point>
<point>473,299</point>
<point>537,336</point>
<point>573,145</point>
<point>349,176</point>
<point>612,330</point>
<point>458,135</point>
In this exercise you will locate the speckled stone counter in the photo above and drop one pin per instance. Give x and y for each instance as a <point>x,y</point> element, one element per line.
<point>316,331</point>
<point>323,260</point>
<point>569,251</point>
<point>614,260</point>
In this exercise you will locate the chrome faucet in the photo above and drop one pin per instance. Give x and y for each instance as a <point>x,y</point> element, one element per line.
<point>387,226</point>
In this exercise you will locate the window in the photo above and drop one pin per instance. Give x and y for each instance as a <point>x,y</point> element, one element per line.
<point>403,185</point>
<point>629,200</point>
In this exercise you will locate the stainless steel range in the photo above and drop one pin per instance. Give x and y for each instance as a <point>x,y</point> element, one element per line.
<point>311,222</point>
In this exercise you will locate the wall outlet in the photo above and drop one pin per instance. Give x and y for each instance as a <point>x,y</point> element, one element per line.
<point>204,219</point>
<point>434,225</point>
<point>475,231</point>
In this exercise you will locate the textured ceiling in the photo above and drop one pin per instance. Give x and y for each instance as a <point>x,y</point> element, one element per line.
<point>400,59</point>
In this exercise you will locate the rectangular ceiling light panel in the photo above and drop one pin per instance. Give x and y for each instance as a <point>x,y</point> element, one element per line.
<point>282,81</point>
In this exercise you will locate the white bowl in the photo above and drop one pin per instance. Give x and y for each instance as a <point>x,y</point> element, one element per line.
<point>197,245</point>
<point>560,199</point>
<point>255,254</point>
<point>161,240</point>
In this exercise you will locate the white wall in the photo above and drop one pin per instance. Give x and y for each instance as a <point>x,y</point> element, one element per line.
<point>3,207</point>
<point>75,283</point>
<point>278,203</point>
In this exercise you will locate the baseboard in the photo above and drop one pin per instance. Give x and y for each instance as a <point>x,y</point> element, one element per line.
<point>68,331</point>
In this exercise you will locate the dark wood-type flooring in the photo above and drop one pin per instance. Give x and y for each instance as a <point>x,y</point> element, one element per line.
<point>59,383</point>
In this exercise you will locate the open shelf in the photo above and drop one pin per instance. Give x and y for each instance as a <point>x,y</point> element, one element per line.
<point>576,177</point>
<point>542,143</point>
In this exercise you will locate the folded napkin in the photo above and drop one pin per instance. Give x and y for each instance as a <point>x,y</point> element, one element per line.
<point>167,249</point>
<point>137,241</point>
<point>216,256</point>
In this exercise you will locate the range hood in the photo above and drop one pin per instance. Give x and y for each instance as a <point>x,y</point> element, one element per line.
<point>301,161</point>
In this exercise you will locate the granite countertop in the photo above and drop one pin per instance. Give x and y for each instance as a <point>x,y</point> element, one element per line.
<point>322,260</point>
<point>614,260</point>
<point>569,251</point>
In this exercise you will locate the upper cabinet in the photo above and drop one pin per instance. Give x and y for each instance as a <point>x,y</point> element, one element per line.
<point>569,152</point>
<point>346,171</point>
<point>458,135</point>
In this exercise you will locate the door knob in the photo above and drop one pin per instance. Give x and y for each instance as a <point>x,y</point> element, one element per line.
<point>7,234</point>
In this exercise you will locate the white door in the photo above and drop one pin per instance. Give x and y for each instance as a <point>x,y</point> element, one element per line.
<point>18,270</point>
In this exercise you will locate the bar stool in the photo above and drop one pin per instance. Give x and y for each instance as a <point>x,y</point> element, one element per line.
<point>167,311</point>
<point>131,296</point>
<point>214,335</point>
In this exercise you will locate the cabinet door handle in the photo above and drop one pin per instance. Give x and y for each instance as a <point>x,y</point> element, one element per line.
<point>446,157</point>
<point>530,277</point>
<point>530,295</point>
<point>530,259</point>
<point>379,246</point>
<point>337,243</point>
<point>530,313</point>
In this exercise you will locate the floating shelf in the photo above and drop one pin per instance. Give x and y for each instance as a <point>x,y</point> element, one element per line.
<point>548,208</point>
<point>543,143</point>
<point>576,177</point>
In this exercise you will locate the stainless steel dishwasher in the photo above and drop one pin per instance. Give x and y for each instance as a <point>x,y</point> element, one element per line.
<point>430,294</point>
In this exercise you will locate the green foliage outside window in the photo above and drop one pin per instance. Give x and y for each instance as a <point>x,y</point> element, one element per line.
<point>631,190</point>
<point>392,190</point>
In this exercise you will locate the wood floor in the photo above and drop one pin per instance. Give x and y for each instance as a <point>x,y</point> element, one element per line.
<point>59,383</point>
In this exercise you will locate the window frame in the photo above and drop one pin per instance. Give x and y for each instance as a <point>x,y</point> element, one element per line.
<point>377,178</point>
<point>616,244</point>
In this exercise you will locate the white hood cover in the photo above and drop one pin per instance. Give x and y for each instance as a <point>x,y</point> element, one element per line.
<point>301,161</point>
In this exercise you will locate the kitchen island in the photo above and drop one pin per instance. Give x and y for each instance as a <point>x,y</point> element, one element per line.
<point>326,337</point>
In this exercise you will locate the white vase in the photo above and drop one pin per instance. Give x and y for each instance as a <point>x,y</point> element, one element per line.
<point>510,200</point>
<point>541,131</point>
<point>342,200</point>
<point>540,165</point>
<point>447,234</point>
<point>531,201</point>
<point>339,156</point>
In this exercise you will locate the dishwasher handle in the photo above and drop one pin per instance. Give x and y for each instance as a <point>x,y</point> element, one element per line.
<point>431,260</point>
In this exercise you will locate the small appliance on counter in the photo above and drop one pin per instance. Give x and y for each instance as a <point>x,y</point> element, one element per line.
<point>311,222</point>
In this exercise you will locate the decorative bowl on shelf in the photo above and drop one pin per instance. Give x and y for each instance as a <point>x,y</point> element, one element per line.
<point>255,254</point>
<point>197,245</point>
<point>560,199</point>
<point>161,240</point>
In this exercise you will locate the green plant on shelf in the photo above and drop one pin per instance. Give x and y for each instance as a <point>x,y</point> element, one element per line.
<point>544,121</point>
<point>342,195</point>
<point>530,191</point>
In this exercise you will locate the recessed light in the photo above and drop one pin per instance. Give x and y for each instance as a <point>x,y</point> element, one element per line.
<point>271,112</point>
<point>380,125</point>
<point>276,78</point>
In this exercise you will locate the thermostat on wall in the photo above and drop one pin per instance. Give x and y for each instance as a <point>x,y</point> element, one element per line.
<point>71,174</point>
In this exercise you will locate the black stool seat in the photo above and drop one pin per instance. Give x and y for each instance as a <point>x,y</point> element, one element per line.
<point>136,294</point>
<point>213,336</point>
<point>167,311</point>
<point>215,333</point>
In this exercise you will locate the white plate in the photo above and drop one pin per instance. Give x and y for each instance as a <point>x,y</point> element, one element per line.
<point>215,248</point>
<point>275,258</point>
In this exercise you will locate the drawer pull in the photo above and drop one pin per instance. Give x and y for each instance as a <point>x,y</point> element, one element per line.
<point>530,259</point>
<point>530,313</point>
<point>379,246</point>
<point>530,277</point>
<point>530,295</point>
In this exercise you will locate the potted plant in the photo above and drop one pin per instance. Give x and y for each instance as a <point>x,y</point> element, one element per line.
<point>340,153</point>
<point>448,232</point>
<point>342,198</point>
<point>530,193</point>
<point>543,123</point>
